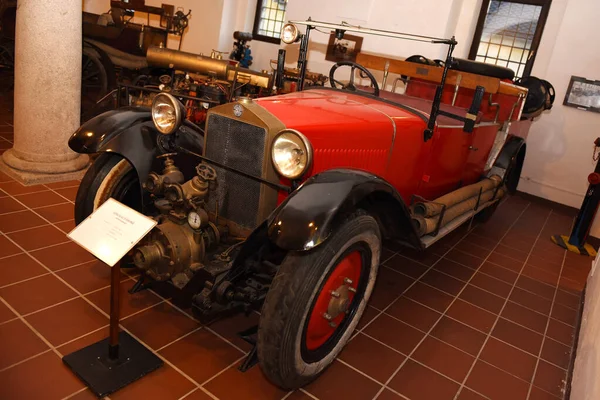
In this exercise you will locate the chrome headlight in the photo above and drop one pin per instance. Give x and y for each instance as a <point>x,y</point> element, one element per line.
<point>291,153</point>
<point>289,33</point>
<point>167,113</point>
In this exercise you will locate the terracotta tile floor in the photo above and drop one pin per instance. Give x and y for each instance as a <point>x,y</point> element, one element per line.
<point>488,313</point>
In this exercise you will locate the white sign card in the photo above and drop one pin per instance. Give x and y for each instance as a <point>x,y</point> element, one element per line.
<point>111,231</point>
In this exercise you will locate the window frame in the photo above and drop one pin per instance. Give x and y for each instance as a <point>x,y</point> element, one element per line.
<point>255,34</point>
<point>537,37</point>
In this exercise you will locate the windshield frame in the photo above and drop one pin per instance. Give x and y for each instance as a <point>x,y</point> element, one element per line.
<point>341,29</point>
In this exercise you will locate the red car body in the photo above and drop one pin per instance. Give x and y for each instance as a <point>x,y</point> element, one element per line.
<point>348,130</point>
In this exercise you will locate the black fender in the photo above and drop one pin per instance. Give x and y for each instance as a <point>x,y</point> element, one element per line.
<point>511,159</point>
<point>309,215</point>
<point>130,132</point>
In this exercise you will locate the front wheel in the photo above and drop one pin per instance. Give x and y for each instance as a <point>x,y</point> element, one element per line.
<point>315,302</point>
<point>110,175</point>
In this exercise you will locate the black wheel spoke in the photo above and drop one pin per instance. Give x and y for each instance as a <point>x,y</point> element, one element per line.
<point>339,83</point>
<point>86,63</point>
<point>91,74</point>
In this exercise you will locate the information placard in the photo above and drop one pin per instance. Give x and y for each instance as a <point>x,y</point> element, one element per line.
<point>111,231</point>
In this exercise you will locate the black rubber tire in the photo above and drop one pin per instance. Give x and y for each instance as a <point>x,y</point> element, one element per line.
<point>122,185</point>
<point>291,297</point>
<point>513,172</point>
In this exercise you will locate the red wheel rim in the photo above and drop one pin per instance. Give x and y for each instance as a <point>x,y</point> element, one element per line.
<point>334,301</point>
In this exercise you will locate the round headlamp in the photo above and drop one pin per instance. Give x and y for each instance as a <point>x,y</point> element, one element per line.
<point>167,113</point>
<point>289,33</point>
<point>291,153</point>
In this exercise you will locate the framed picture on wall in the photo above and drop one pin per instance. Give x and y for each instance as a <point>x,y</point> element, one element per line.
<point>344,49</point>
<point>583,94</point>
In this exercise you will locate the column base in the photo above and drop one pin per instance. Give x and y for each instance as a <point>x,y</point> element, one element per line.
<point>39,173</point>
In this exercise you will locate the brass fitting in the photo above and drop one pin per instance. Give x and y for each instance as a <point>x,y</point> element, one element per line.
<point>155,183</point>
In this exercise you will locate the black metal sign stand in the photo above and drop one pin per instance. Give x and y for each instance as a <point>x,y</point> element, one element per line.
<point>576,241</point>
<point>114,362</point>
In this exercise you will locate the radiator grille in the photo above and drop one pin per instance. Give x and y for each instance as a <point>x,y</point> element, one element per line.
<point>240,146</point>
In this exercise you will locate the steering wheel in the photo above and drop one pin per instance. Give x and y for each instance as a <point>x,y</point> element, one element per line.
<point>350,85</point>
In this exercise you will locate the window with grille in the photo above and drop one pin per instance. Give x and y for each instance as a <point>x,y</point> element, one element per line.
<point>269,20</point>
<point>508,33</point>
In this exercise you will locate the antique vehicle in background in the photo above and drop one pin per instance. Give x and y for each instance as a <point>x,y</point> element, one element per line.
<point>281,203</point>
<point>202,82</point>
<point>113,45</point>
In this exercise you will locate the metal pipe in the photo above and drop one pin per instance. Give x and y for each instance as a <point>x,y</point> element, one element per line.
<point>106,96</point>
<point>232,93</point>
<point>434,207</point>
<point>428,225</point>
<point>379,32</point>
<point>141,42</point>
<point>189,62</point>
<point>456,87</point>
<point>386,71</point>
<point>248,76</point>
<point>492,104</point>
<point>395,84</point>
<point>115,285</point>
<point>514,107</point>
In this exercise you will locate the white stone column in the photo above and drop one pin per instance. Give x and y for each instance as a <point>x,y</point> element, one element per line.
<point>47,92</point>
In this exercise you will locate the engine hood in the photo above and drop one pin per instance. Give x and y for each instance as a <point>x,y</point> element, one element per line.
<point>333,111</point>
<point>344,129</point>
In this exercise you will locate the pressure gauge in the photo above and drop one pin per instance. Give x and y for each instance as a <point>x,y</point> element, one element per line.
<point>194,220</point>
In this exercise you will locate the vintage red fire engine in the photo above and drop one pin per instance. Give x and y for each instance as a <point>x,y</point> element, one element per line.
<point>282,204</point>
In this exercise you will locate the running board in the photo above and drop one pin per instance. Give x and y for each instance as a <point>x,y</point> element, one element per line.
<point>429,240</point>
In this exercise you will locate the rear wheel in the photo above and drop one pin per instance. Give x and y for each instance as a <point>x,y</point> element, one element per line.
<point>513,172</point>
<point>7,65</point>
<point>110,175</point>
<point>97,79</point>
<point>315,302</point>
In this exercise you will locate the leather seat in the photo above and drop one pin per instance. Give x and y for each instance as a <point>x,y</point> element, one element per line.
<point>473,67</point>
<point>479,68</point>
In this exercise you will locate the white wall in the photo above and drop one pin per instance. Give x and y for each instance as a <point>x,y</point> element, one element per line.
<point>463,27</point>
<point>560,144</point>
<point>393,15</point>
